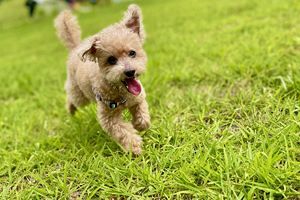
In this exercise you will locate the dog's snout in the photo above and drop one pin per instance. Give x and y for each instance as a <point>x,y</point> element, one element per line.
<point>129,73</point>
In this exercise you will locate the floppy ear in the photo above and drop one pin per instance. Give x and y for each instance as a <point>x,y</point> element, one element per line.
<point>133,20</point>
<point>88,50</point>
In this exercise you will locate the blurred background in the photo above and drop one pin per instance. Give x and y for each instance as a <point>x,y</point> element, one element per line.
<point>36,8</point>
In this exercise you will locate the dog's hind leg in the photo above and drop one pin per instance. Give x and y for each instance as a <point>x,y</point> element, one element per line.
<point>71,108</point>
<point>121,131</point>
<point>75,97</point>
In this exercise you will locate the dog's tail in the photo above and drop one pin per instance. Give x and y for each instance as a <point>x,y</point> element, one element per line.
<point>68,29</point>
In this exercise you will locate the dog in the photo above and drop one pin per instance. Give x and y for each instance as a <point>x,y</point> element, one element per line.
<point>104,68</point>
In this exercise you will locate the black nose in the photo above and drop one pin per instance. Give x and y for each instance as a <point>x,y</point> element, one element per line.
<point>129,73</point>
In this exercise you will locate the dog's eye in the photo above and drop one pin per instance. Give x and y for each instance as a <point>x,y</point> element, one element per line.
<point>132,54</point>
<point>112,60</point>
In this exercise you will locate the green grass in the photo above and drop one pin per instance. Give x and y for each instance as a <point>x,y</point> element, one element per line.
<point>223,85</point>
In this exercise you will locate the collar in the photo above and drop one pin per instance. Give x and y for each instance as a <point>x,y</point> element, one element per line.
<point>112,104</point>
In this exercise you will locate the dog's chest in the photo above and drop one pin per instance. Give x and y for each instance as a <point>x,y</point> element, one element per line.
<point>118,97</point>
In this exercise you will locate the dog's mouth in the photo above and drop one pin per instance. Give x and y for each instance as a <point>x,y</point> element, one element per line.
<point>133,86</point>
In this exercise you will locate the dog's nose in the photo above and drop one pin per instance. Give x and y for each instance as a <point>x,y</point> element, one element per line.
<point>129,73</point>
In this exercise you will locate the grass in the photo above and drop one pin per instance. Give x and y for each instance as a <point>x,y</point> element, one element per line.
<point>223,85</point>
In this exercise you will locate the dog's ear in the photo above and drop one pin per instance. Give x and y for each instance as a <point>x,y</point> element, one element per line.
<point>88,50</point>
<point>133,20</point>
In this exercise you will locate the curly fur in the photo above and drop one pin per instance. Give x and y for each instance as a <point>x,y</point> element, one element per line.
<point>88,70</point>
<point>68,29</point>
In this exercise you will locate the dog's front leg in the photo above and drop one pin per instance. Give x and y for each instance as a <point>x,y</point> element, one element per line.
<point>140,116</point>
<point>121,131</point>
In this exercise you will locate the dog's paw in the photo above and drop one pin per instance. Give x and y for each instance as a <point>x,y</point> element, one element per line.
<point>141,124</point>
<point>71,108</point>
<point>133,143</point>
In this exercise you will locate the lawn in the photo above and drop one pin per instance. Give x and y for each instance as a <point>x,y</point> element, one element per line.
<point>223,87</point>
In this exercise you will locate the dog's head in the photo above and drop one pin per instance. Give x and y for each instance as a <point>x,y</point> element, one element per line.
<point>118,49</point>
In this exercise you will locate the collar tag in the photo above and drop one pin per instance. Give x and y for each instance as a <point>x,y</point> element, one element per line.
<point>112,105</point>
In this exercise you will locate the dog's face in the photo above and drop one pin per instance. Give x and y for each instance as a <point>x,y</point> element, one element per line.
<point>119,52</point>
<point>121,58</point>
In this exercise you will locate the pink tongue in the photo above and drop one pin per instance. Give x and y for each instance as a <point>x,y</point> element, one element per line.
<point>134,86</point>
